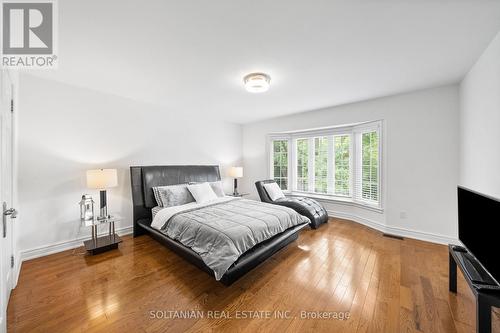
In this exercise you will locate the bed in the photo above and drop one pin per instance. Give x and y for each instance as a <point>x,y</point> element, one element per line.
<point>144,178</point>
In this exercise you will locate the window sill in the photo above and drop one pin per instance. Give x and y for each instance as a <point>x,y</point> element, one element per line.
<point>334,199</point>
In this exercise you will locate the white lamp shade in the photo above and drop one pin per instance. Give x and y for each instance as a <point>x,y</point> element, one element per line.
<point>102,178</point>
<point>236,172</point>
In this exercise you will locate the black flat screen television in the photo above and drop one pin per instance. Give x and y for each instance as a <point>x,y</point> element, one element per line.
<point>478,228</point>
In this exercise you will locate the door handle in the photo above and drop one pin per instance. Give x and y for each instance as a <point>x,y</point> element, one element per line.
<point>12,212</point>
<point>7,212</point>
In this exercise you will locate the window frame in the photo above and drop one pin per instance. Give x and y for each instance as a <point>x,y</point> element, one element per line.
<point>351,165</point>
<point>270,153</point>
<point>358,133</point>
<point>354,132</point>
<point>294,164</point>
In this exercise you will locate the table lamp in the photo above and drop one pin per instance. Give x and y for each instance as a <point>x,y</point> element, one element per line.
<point>236,172</point>
<point>102,179</point>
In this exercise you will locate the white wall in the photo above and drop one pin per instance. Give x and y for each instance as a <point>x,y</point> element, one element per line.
<point>65,130</point>
<point>480,123</point>
<point>421,157</point>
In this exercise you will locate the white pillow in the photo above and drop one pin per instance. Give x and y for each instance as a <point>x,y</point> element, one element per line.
<point>202,192</point>
<point>217,188</point>
<point>274,191</point>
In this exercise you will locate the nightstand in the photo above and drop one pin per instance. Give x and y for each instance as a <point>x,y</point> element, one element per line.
<point>105,243</point>
<point>239,195</point>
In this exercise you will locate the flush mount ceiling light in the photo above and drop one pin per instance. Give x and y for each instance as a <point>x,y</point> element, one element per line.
<point>257,82</point>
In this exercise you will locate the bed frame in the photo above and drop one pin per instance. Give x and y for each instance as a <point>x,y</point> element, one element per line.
<point>143,178</point>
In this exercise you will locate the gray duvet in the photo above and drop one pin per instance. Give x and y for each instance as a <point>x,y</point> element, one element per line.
<point>221,232</point>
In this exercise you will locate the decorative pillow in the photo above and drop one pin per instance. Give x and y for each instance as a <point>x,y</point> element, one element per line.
<point>156,193</point>
<point>202,192</point>
<point>173,195</point>
<point>155,210</point>
<point>217,188</point>
<point>274,191</point>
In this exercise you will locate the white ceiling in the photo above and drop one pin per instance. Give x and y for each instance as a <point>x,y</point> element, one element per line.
<point>192,55</point>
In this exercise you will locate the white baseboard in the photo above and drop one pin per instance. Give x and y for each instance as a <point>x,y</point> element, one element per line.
<point>55,248</point>
<point>420,235</point>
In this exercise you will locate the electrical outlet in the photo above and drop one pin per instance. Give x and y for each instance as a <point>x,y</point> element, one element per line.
<point>402,215</point>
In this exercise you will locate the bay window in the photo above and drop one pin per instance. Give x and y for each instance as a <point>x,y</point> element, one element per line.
<point>280,163</point>
<point>369,165</point>
<point>338,163</point>
<point>342,164</point>
<point>320,164</point>
<point>302,164</point>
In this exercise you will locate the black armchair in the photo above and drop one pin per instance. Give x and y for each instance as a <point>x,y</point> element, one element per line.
<point>308,207</point>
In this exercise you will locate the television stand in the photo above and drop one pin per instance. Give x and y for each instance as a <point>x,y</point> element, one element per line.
<point>475,271</point>
<point>484,288</point>
<point>458,248</point>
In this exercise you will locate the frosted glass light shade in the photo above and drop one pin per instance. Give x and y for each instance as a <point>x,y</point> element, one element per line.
<point>102,178</point>
<point>257,82</point>
<point>236,172</point>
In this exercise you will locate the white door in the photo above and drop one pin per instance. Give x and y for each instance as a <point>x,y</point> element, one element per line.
<point>6,194</point>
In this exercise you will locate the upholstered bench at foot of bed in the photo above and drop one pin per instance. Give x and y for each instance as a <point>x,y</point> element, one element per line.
<point>308,207</point>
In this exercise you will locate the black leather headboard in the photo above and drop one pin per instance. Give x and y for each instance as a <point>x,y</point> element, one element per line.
<point>144,178</point>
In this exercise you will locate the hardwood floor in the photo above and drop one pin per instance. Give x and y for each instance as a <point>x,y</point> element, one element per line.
<point>386,285</point>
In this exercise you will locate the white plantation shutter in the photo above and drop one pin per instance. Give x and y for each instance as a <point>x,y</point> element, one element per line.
<point>321,160</point>
<point>367,170</point>
<point>280,158</point>
<point>302,164</point>
<point>341,165</point>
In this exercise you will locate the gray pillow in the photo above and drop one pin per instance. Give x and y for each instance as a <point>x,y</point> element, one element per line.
<point>156,193</point>
<point>173,195</point>
<point>155,210</point>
